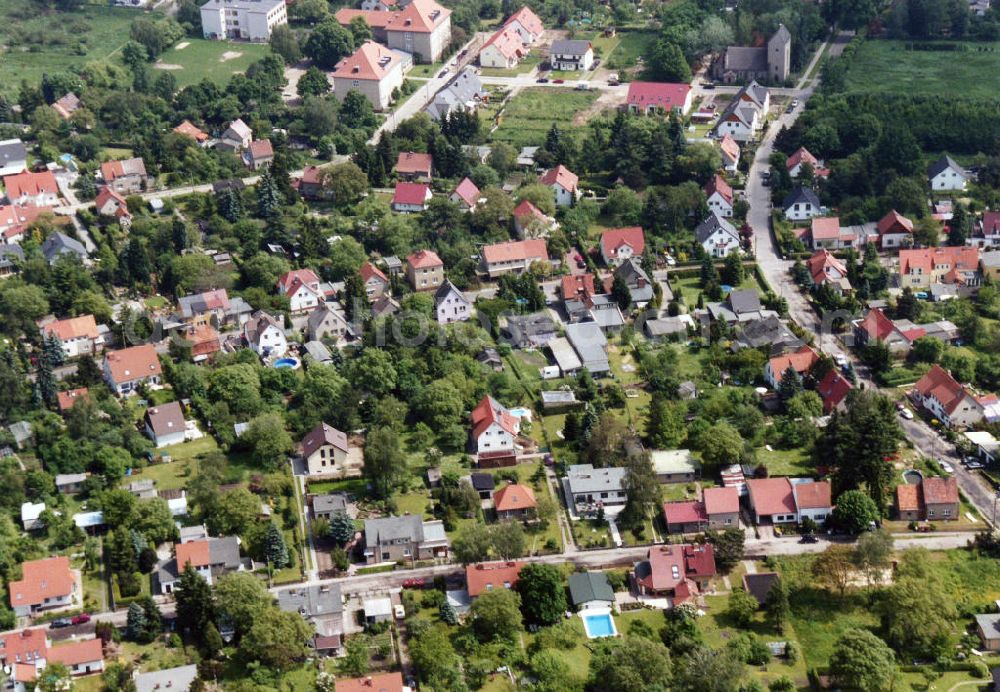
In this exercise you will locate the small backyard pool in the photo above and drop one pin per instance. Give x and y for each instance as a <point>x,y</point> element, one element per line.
<point>599,625</point>
<point>282,363</point>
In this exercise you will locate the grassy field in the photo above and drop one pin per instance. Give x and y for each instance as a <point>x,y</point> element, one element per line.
<point>787,462</point>
<point>216,60</point>
<point>34,42</point>
<point>630,47</point>
<point>530,114</point>
<point>886,67</point>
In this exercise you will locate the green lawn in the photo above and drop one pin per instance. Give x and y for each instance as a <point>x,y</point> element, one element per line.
<point>690,288</point>
<point>886,67</point>
<point>787,462</point>
<point>529,115</point>
<point>630,47</point>
<point>216,60</point>
<point>426,70</point>
<point>34,42</point>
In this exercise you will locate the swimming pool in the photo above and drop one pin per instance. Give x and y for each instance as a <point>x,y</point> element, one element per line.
<point>599,625</point>
<point>521,412</point>
<point>292,363</point>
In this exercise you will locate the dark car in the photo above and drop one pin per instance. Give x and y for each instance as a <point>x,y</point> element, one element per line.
<point>443,73</point>
<point>60,623</point>
<point>809,538</point>
<point>81,619</point>
<point>542,80</point>
<point>580,264</point>
<point>708,85</point>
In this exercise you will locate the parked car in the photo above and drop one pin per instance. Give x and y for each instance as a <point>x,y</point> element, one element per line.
<point>972,464</point>
<point>790,109</point>
<point>582,86</point>
<point>558,81</point>
<point>907,414</point>
<point>795,102</point>
<point>415,583</point>
<point>399,611</point>
<point>946,467</point>
<point>60,623</point>
<point>708,85</point>
<point>840,359</point>
<point>81,619</point>
<point>670,260</point>
<point>443,73</point>
<point>808,538</point>
<point>542,80</point>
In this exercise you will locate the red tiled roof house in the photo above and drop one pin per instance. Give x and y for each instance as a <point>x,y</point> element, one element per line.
<point>564,184</point>
<point>515,501</point>
<point>620,244</point>
<point>79,336</point>
<point>946,399</point>
<point>128,368</point>
<point>494,428</point>
<point>650,98</point>
<point>424,270</point>
<point>512,257</point>
<point>412,166</point>
<point>45,584</point>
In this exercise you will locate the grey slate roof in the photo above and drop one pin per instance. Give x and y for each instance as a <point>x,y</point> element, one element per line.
<point>589,343</point>
<point>312,601</point>
<point>990,624</point>
<point>224,551</point>
<point>12,151</point>
<point>710,225</point>
<point>800,195</point>
<point>744,301</point>
<point>463,88</point>
<point>535,329</point>
<point>10,255</point>
<point>333,502</point>
<point>590,586</point>
<point>942,164</point>
<point>745,59</point>
<point>569,47</point>
<point>177,679</point>
<point>482,481</point>
<point>584,478</point>
<point>318,352</point>
<point>446,289</point>
<point>388,529</point>
<point>769,331</point>
<point>60,244</point>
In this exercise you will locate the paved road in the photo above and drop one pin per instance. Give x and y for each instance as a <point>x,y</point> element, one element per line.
<point>777,270</point>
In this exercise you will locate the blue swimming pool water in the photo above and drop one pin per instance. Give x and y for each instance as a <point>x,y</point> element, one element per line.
<point>520,412</point>
<point>286,363</point>
<point>598,626</point>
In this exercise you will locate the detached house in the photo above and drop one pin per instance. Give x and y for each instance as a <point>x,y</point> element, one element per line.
<point>649,98</point>
<point>588,488</point>
<point>939,265</point>
<point>259,154</point>
<point>571,55</point>
<point>32,189</point>
<point>512,257</point>
<point>13,157</point>
<point>237,136</point>
<point>833,389</point>
<point>372,70</point>
<point>125,177</point>
<point>802,361</point>
<point>189,129</point>
<point>491,576</point>
<point>78,336</point>
<point>620,244</point>
<point>531,222</point>
<point>376,282</point>
<point>950,402</point>
<point>328,322</point>
<point>789,500</point>
<point>946,175</point>
<point>404,539</point>
<point>414,167</point>
<point>895,230</point>
<point>875,326</point>
<point>411,197</point>
<point>826,232</point>
<point>165,425</point>
<point>424,270</point>
<point>717,236</point>
<point>126,369</point>
<point>302,287</point>
<point>719,196</point>
<point>799,158</point>
<point>466,195</point>
<point>211,558</point>
<point>494,427</point>
<point>801,204</point>
<point>450,304</point>
<point>324,450</point>
<point>265,336</point>
<point>730,151</point>
<point>745,115</point>
<point>45,584</point>
<point>526,24</point>
<point>827,270</point>
<point>503,50</point>
<point>932,499</point>
<point>110,203</point>
<point>515,501</point>
<point>675,572</point>
<point>564,184</point>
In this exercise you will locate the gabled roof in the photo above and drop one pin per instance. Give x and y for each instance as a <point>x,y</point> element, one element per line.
<point>41,579</point>
<point>490,411</point>
<point>943,164</point>
<point>832,389</point>
<point>939,490</point>
<point>448,289</point>
<point>719,184</point>
<point>585,587</point>
<point>802,360</point>
<point>615,238</point>
<point>415,194</point>
<point>825,228</point>
<point>759,585</point>
<point>258,323</point>
<point>290,281</point>
<point>939,384</point>
<point>424,259</point>
<point>68,398</point>
<point>516,251</point>
<point>84,326</point>
<point>577,286</point>
<point>562,176</point>
<point>322,435</point>
<point>29,184</point>
<point>414,162</point>
<point>685,512</point>
<point>771,496</point>
<point>527,19</point>
<point>194,552</point>
<point>28,645</point>
<point>721,500</point>
<point>133,363</point>
<point>375,19</point>
<point>371,61</point>
<point>188,128</point>
<point>699,560</point>
<point>800,195</point>
<point>200,303</point>
<point>514,497</point>
<point>730,147</point>
<point>812,495</point>
<point>665,95</point>
<point>801,155</point>
<point>663,569</point>
<point>569,47</point>
<point>67,105</point>
<point>166,419</point>
<point>487,576</point>
<point>820,264</point>
<point>908,498</point>
<point>77,653</point>
<point>261,149</point>
<point>508,42</point>
<point>877,325</point>
<point>369,271</point>
<point>111,170</point>
<point>420,16</point>
<point>106,194</point>
<point>711,224</point>
<point>467,192</point>
<point>894,222</point>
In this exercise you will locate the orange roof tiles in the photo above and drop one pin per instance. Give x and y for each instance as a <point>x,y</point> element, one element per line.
<point>562,176</point>
<point>894,222</point>
<point>23,646</point>
<point>718,184</point>
<point>614,238</point>
<point>813,495</point>
<point>84,326</point>
<point>424,259</point>
<point>516,251</point>
<point>133,363</point>
<point>411,162</point>
<point>801,155</point>
<point>826,228</point>
<point>908,498</point>
<point>30,184</point>
<point>371,61</point>
<point>194,552</point>
<point>41,579</point>
<point>771,496</point>
<point>76,653</point>
<point>527,19</point>
<point>939,491</point>
<point>487,576</point>
<point>369,271</point>
<point>514,497</point>
<point>721,500</point>
<point>939,384</point>
<point>188,128</point>
<point>468,192</point>
<point>488,412</point>
<point>508,42</point>
<point>802,360</point>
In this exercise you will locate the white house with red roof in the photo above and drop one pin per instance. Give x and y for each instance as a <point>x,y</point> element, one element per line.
<point>372,70</point>
<point>564,184</point>
<point>503,50</point>
<point>826,232</point>
<point>35,189</point>
<point>512,257</point>
<point>15,220</point>
<point>302,287</point>
<point>649,98</point>
<point>875,326</point>
<point>491,576</point>
<point>894,231</point>
<point>952,403</point>
<point>109,202</point>
<point>126,369</point>
<point>421,28</point>
<point>532,222</point>
<point>260,153</point>
<point>784,500</point>
<point>45,584</point>
<point>466,195</point>
<point>24,652</point>
<point>79,336</point>
<point>80,657</point>
<point>833,389</point>
<point>719,196</point>
<point>494,428</point>
<point>676,573</point>
<point>527,24</point>
<point>411,197</point>
<point>127,176</point>
<point>376,282</point>
<point>801,157</point>
<point>802,361</point>
<point>986,233</point>
<point>827,270</point>
<point>620,244</point>
<point>414,166</point>
<point>730,150</point>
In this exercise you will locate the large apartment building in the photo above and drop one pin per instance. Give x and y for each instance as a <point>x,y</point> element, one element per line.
<point>248,20</point>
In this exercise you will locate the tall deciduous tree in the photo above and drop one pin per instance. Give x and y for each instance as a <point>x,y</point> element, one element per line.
<point>195,609</point>
<point>497,615</point>
<point>862,661</point>
<point>543,594</point>
<point>385,464</point>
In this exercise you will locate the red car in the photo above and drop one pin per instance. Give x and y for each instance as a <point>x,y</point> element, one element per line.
<point>413,583</point>
<point>558,81</point>
<point>81,619</point>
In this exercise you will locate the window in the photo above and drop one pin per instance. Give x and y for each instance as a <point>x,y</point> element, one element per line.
<point>406,552</point>
<point>385,555</point>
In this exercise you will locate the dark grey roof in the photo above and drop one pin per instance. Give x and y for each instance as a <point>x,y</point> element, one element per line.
<point>534,329</point>
<point>489,355</point>
<point>590,586</point>
<point>60,244</point>
<point>632,272</point>
<point>769,331</point>
<point>387,529</point>
<point>12,151</point>
<point>461,89</point>
<point>333,502</point>
<point>234,184</point>
<point>943,163</point>
<point>800,195</point>
<point>446,289</point>
<point>781,37</point>
<point>482,481</point>
<point>224,551</point>
<point>744,301</point>
<point>710,225</point>
<point>569,47</point>
<point>744,59</point>
<point>759,584</point>
<point>318,352</point>
<point>312,601</point>
<point>584,478</point>
<point>590,345</point>
<point>10,255</point>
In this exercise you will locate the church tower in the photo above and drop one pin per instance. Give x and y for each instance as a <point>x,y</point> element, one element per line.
<point>779,55</point>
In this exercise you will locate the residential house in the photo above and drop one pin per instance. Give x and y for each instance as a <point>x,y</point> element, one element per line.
<point>311,184</point>
<point>70,483</point>
<point>826,232</point>
<point>126,177</point>
<point>424,270</point>
<point>989,265</point>
<point>214,308</point>
<point>717,236</point>
<point>515,501</point>
<point>246,20</point>
<point>768,332</point>
<point>590,590</point>
<point>80,657</point>
<point>686,516</point>
<point>722,507</point>
<point>802,361</point>
<point>237,136</point>
<point>450,304</point>
<point>503,50</point>
<point>675,572</point>
<point>564,184</point>
<point>189,129</point>
<point>730,151</point>
<point>328,322</point>
<point>165,425</point>
<point>588,488</point>
<point>895,231</point>
<point>326,506</point>
<point>59,244</point>
<point>788,500</point>
<point>942,396</point>
<point>411,197</point>
<point>466,195</point>
<point>919,268</point>
<point>13,157</point>
<point>211,558</point>
<point>531,222</point>
<point>589,342</point>
<point>376,282</point>
<point>302,288</point>
<point>932,499</point>
<point>833,389</point>
<point>126,369</point>
<point>265,336</point>
<point>179,678</point>
<point>372,70</point>
<point>606,314</point>
<point>111,203</point>
<point>32,189</point>
<point>203,341</point>
<point>494,427</point>
<point>801,204</point>
<point>44,584</point>
<point>946,175</point>
<point>571,55</point>
<point>533,330</point>
<point>620,244</point>
<point>802,157</point>
<point>988,628</point>
<point>404,539</point>
<point>675,465</point>
<point>577,291</point>
<point>719,196</point>
<point>526,24</point>
<point>31,514</point>
<point>324,449</point>
<point>414,167</point>
<point>744,117</point>
<point>78,336</point>
<point>649,98</point>
<point>640,288</point>
<point>464,91</point>
<point>15,221</point>
<point>421,28</point>
<point>491,576</point>
<point>875,326</point>
<point>320,605</point>
<point>483,484</point>
<point>67,105</point>
<point>383,682</point>
<point>986,233</point>
<point>739,307</point>
<point>827,270</point>
<point>11,258</point>
<point>512,257</point>
<point>259,154</point>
